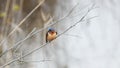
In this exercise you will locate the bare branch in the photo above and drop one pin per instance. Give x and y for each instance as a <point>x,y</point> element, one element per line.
<point>46,43</point>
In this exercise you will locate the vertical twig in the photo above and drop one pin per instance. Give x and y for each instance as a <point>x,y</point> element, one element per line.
<point>5,17</point>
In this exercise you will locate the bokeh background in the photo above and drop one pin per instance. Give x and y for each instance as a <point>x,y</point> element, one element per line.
<point>92,43</point>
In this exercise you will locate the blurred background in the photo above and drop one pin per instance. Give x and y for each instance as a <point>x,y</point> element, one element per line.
<point>91,43</point>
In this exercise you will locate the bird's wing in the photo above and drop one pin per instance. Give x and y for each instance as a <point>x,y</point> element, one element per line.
<point>46,37</point>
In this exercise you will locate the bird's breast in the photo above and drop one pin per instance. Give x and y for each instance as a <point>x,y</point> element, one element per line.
<point>51,36</point>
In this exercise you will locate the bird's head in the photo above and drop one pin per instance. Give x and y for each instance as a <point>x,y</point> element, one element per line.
<point>51,30</point>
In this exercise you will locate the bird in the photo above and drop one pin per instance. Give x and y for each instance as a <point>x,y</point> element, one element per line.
<point>51,34</point>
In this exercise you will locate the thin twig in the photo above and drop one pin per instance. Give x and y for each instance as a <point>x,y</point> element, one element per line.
<point>34,61</point>
<point>46,43</point>
<point>92,17</point>
<point>71,35</point>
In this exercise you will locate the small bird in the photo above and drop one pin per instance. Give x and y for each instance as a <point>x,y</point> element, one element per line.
<point>50,35</point>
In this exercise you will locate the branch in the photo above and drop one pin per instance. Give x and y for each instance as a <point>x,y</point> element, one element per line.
<point>24,61</point>
<point>47,43</point>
